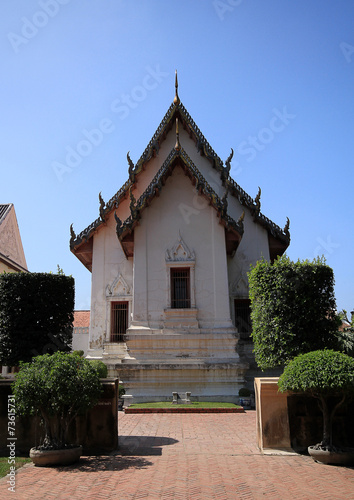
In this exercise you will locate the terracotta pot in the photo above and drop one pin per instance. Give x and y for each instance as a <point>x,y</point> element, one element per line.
<point>44,458</point>
<point>345,457</point>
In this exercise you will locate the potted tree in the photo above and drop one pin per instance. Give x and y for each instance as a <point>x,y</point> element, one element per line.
<point>56,387</point>
<point>328,376</point>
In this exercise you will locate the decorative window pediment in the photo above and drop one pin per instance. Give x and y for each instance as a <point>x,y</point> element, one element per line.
<point>240,287</point>
<point>119,288</point>
<point>180,252</point>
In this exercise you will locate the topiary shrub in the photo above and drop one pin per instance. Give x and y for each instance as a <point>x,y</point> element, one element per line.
<point>79,353</point>
<point>99,366</point>
<point>293,309</point>
<point>121,391</point>
<point>36,315</point>
<point>244,392</point>
<point>57,387</point>
<point>325,375</point>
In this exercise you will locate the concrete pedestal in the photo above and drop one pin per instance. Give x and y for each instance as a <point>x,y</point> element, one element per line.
<point>273,430</point>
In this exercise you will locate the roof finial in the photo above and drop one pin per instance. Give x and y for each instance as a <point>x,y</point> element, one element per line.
<point>177,145</point>
<point>176,100</point>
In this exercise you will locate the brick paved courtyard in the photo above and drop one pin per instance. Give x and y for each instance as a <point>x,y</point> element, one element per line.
<point>181,456</point>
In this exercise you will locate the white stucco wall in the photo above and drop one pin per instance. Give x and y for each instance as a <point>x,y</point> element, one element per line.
<point>179,210</point>
<point>254,245</point>
<point>172,214</point>
<point>109,261</point>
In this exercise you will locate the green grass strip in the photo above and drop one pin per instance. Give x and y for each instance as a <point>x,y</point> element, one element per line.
<point>194,404</point>
<point>5,466</point>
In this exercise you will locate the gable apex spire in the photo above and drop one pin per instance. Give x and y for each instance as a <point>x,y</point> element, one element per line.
<point>176,100</point>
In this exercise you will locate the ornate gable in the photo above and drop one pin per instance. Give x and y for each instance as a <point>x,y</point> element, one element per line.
<point>279,239</point>
<point>180,252</point>
<point>234,229</point>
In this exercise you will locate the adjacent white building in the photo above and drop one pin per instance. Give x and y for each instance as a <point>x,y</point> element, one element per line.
<point>169,256</point>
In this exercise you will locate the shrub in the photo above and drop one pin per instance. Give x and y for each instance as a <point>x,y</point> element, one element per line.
<point>100,367</point>
<point>244,392</point>
<point>79,353</point>
<point>293,309</point>
<point>57,387</point>
<point>36,315</point>
<point>326,375</point>
<point>121,391</point>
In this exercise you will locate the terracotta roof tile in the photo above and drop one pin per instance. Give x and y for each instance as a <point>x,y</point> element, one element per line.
<point>81,319</point>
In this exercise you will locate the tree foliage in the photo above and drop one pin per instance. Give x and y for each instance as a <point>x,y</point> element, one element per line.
<point>36,315</point>
<point>57,387</point>
<point>293,309</point>
<point>100,367</point>
<point>346,333</point>
<point>323,374</point>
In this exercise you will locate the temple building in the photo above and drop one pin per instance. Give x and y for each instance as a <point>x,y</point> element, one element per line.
<point>169,256</point>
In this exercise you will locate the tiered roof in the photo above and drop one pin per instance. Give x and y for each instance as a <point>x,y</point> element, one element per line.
<point>279,239</point>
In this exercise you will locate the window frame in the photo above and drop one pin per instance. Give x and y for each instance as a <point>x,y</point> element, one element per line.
<point>116,338</point>
<point>185,280</point>
<point>181,265</point>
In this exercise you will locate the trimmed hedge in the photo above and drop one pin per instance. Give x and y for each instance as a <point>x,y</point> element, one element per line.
<point>36,315</point>
<point>293,309</point>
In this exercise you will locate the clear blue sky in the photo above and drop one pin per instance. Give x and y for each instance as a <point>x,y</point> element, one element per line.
<point>69,67</point>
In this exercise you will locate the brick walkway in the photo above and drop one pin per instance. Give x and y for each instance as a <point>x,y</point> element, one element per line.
<point>196,457</point>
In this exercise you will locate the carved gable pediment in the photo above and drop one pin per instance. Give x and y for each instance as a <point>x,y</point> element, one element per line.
<point>119,288</point>
<point>180,252</point>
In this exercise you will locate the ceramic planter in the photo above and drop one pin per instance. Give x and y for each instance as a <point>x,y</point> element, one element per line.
<point>66,456</point>
<point>345,457</point>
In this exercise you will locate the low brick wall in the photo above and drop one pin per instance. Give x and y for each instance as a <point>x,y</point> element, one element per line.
<point>184,410</point>
<point>97,431</point>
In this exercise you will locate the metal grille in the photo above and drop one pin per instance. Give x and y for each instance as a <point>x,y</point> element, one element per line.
<point>180,289</point>
<point>243,317</point>
<point>119,321</point>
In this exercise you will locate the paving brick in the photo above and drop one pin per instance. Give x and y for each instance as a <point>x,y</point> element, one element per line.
<point>202,456</point>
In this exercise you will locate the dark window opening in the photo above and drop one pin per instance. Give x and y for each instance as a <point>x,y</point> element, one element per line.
<point>243,321</point>
<point>180,288</point>
<point>119,321</point>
